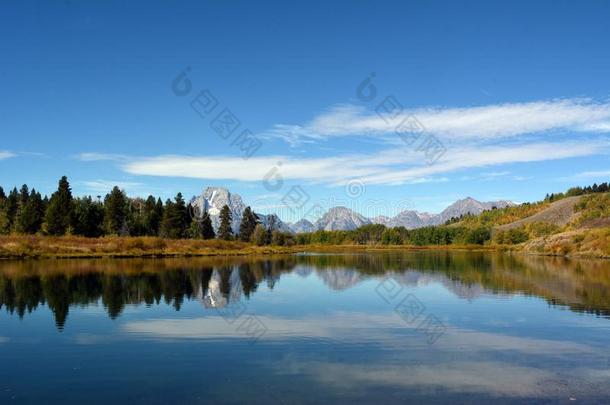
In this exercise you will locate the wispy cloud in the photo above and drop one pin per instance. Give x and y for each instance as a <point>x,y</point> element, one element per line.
<point>4,154</point>
<point>589,175</point>
<point>390,166</point>
<point>496,121</point>
<point>474,157</point>
<point>104,186</point>
<point>95,157</point>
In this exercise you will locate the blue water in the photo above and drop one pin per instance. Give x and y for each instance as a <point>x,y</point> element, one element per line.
<point>364,328</point>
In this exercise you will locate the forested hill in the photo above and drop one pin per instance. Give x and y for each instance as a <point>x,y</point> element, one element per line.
<point>576,222</point>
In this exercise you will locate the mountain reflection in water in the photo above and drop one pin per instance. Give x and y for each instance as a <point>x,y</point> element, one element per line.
<point>581,286</point>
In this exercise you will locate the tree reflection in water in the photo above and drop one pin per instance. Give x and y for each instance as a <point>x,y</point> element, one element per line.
<point>216,282</point>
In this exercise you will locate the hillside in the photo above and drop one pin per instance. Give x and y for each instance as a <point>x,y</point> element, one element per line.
<point>576,226</point>
<point>558,213</point>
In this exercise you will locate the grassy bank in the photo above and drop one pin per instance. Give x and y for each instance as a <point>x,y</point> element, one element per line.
<point>17,246</point>
<point>593,244</point>
<point>29,246</point>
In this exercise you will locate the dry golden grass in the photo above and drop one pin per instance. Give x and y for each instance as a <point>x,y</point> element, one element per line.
<point>574,243</point>
<point>583,242</point>
<point>23,246</point>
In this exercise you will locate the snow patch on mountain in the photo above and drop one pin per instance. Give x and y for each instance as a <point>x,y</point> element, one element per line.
<point>212,199</point>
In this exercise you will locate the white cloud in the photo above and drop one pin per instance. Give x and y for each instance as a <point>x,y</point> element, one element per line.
<point>474,137</point>
<point>475,369</point>
<point>472,157</point>
<point>95,157</point>
<point>104,186</point>
<point>489,377</point>
<point>598,174</point>
<point>4,154</point>
<point>476,123</point>
<point>393,166</point>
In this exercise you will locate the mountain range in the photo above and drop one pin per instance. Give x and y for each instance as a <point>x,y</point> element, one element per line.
<point>213,199</point>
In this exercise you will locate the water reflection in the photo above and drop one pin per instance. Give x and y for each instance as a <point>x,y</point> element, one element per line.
<point>582,286</point>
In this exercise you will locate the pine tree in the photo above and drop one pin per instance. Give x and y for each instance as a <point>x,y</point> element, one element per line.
<point>115,217</point>
<point>159,209</point>
<point>207,230</point>
<point>152,215</point>
<point>182,215</point>
<point>30,217</point>
<point>22,201</point>
<point>24,195</point>
<point>247,225</point>
<point>11,207</point>
<point>165,229</point>
<point>58,217</point>
<point>174,222</point>
<point>194,229</point>
<point>224,230</point>
<point>4,225</point>
<point>88,217</point>
<point>271,226</point>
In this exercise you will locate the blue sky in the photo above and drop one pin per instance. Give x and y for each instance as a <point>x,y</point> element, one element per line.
<point>516,93</point>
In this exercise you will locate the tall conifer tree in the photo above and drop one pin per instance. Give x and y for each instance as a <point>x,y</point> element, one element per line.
<point>224,230</point>
<point>58,217</point>
<point>115,205</point>
<point>247,225</point>
<point>207,229</point>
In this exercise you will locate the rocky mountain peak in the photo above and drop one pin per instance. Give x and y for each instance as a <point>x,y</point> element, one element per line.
<point>212,199</point>
<point>341,218</point>
<point>303,226</point>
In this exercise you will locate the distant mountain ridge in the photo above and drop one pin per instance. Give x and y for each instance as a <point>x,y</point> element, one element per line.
<point>212,199</point>
<point>336,220</point>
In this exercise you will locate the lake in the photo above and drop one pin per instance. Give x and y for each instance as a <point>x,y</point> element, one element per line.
<point>391,327</point>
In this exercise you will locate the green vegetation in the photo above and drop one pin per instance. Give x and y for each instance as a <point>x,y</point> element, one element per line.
<point>379,234</point>
<point>62,285</point>
<point>59,214</point>
<point>594,206</point>
<point>224,230</point>
<point>248,224</point>
<point>259,236</point>
<point>26,212</point>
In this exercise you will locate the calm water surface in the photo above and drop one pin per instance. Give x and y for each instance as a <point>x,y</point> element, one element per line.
<point>360,328</point>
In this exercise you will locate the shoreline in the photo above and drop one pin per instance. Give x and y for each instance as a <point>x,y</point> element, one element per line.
<point>31,247</point>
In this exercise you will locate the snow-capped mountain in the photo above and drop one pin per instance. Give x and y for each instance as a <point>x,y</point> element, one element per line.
<point>214,198</point>
<point>341,219</point>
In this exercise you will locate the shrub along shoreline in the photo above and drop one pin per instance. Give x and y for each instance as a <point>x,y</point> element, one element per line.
<point>74,247</point>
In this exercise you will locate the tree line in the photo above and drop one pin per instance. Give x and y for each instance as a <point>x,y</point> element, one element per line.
<point>380,234</point>
<point>576,191</point>
<point>25,211</point>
